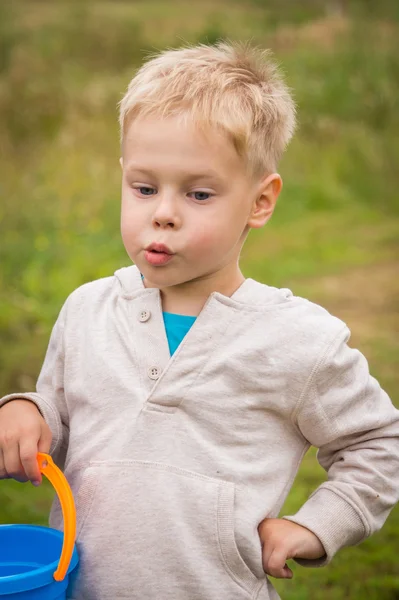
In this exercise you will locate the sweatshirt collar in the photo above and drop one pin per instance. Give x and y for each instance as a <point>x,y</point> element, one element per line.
<point>250,293</point>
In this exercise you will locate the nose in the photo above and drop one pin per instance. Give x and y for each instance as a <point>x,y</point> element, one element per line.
<point>166,213</point>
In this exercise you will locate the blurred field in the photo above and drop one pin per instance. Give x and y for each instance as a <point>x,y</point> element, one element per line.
<point>334,237</point>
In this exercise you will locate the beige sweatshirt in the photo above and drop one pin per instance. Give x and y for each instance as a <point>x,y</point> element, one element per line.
<point>174,461</point>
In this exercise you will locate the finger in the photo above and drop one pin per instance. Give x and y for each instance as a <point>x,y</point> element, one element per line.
<point>45,439</point>
<point>277,566</point>
<point>267,550</point>
<point>3,472</point>
<point>28,457</point>
<point>12,463</point>
<point>267,544</point>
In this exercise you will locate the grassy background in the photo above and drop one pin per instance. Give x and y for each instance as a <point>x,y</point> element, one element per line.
<point>334,237</point>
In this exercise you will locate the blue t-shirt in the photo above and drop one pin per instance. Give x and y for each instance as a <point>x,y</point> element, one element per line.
<point>176,327</point>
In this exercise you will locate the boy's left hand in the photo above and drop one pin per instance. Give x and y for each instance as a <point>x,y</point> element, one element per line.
<point>282,540</point>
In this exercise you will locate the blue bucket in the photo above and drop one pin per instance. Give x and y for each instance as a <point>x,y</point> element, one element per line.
<point>40,563</point>
<point>29,556</point>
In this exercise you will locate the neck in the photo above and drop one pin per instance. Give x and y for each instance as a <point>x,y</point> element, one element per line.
<point>188,298</point>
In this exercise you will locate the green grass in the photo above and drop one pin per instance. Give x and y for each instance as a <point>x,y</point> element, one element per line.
<point>333,238</point>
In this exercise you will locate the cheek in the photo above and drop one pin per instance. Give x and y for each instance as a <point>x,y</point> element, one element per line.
<point>126,221</point>
<point>208,239</point>
<point>130,225</point>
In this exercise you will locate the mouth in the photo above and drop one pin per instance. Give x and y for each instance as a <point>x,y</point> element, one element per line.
<point>158,254</point>
<point>159,249</point>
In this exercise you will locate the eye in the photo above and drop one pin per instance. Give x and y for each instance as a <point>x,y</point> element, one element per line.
<point>145,190</point>
<point>201,195</point>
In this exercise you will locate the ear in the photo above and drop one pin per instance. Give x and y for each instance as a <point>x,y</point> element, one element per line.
<point>266,197</point>
<point>121,162</point>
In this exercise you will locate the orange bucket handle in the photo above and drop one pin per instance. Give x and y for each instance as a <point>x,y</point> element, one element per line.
<point>61,486</point>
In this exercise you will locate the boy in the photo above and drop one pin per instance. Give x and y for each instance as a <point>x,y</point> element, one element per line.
<point>179,396</point>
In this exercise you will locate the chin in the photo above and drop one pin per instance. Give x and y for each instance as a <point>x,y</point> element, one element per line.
<point>162,279</point>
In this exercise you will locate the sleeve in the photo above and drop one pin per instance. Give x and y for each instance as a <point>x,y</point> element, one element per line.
<point>49,396</point>
<point>344,413</point>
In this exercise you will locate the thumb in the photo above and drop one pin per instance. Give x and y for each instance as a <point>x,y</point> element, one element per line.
<point>277,567</point>
<point>45,440</point>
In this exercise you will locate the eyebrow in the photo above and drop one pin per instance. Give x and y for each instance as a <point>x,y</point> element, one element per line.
<point>189,177</point>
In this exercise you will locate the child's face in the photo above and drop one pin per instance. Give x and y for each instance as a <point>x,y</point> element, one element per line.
<point>190,192</point>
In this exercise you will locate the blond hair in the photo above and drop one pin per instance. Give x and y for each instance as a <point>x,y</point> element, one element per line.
<point>231,86</point>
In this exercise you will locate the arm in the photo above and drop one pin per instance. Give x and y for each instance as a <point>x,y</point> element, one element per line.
<point>49,396</point>
<point>344,412</point>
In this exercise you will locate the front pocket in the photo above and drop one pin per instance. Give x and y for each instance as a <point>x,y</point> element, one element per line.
<point>83,485</point>
<point>155,531</point>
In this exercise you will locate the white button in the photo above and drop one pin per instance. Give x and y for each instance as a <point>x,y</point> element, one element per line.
<point>144,315</point>
<point>153,372</point>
